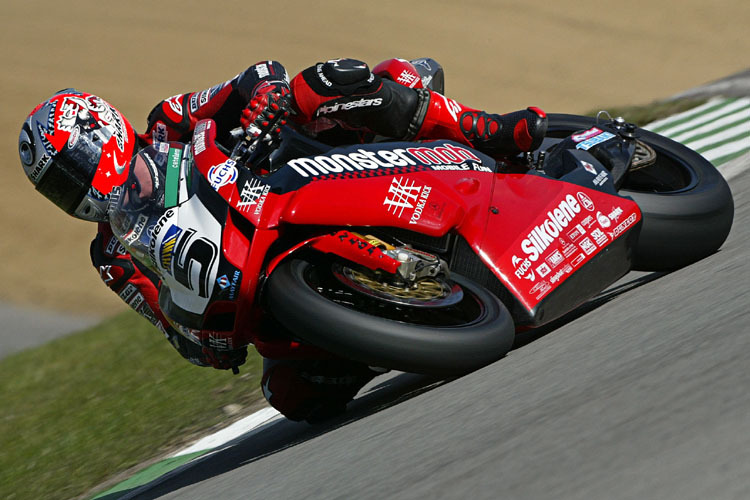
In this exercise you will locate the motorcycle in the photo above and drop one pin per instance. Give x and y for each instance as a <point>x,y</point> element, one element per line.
<point>424,257</point>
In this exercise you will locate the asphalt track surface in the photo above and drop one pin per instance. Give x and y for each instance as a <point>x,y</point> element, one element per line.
<point>644,394</point>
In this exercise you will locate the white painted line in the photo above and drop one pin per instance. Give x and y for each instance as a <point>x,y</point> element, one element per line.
<point>234,431</point>
<point>721,136</point>
<point>702,119</point>
<point>727,149</point>
<point>664,121</point>
<point>742,115</point>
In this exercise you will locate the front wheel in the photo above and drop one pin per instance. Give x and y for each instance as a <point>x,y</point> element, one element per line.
<point>461,328</point>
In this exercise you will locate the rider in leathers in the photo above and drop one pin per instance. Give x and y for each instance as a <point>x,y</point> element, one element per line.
<point>75,146</point>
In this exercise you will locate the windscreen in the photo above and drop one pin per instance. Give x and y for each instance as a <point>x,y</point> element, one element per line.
<point>140,203</point>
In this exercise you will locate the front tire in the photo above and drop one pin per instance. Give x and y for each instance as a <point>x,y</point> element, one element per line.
<point>307,299</point>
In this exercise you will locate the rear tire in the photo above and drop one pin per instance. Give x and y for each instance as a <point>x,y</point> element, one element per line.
<point>687,205</point>
<point>309,301</point>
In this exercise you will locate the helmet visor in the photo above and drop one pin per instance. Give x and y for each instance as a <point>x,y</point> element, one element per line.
<point>68,179</point>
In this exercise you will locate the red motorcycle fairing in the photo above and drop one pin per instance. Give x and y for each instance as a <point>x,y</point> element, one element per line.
<point>543,239</point>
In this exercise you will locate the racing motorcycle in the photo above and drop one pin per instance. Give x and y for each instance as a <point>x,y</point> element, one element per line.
<point>424,257</point>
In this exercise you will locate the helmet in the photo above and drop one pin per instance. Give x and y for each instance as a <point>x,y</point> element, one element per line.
<point>75,147</point>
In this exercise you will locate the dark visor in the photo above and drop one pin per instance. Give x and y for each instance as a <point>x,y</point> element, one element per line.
<point>68,179</point>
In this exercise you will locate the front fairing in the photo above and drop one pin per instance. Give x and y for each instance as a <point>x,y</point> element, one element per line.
<point>174,227</point>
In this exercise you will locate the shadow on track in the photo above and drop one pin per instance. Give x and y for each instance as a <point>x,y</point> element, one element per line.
<point>279,435</point>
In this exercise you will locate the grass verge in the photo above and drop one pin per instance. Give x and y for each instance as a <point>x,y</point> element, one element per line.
<point>643,115</point>
<point>86,407</point>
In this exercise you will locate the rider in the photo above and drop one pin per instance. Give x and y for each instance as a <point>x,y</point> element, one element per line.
<point>75,148</point>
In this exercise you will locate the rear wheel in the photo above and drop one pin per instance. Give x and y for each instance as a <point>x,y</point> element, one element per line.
<point>686,203</point>
<point>439,326</point>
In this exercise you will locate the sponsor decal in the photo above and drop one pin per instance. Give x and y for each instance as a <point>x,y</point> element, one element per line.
<point>567,269</point>
<point>163,148</point>
<point>600,178</point>
<point>603,220</point>
<point>452,106</point>
<point>587,246</point>
<point>543,269</point>
<point>136,301</point>
<point>224,282</point>
<point>599,237</point>
<point>540,289</point>
<point>588,221</point>
<point>216,342</point>
<point>321,76</point>
<point>407,78</point>
<point>105,272</point>
<point>233,286</point>
<point>554,259</point>
<point>39,167</point>
<point>597,139</point>
<point>585,201</point>
<point>422,62</point>
<point>542,235</point>
<point>154,232</point>
<point>261,70</point>
<point>160,132</point>
<point>166,250</point>
<point>586,134</point>
<point>126,292</point>
<point>222,174</point>
<point>135,233</point>
<point>577,260</point>
<point>589,167</point>
<point>111,246</point>
<point>74,135</point>
<point>402,195</point>
<point>447,154</point>
<point>172,182</point>
<point>615,214</point>
<point>522,266</point>
<point>175,103</point>
<point>568,249</point>
<point>623,226</point>
<point>254,192</point>
<point>482,168</point>
<point>199,142</point>
<point>346,106</point>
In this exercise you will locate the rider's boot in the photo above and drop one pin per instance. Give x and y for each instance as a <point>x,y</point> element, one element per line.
<point>313,390</point>
<point>495,135</point>
<point>344,91</point>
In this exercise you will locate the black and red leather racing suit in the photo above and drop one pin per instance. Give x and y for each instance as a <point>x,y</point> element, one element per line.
<point>339,101</point>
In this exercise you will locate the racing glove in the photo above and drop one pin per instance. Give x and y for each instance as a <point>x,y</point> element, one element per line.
<point>264,109</point>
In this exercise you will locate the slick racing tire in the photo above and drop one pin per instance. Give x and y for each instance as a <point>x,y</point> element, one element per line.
<point>320,309</point>
<point>686,204</point>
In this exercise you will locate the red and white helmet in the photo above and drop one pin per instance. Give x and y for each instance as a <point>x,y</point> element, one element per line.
<point>75,147</point>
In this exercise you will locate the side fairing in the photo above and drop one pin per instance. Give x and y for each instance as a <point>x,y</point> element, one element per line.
<point>428,187</point>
